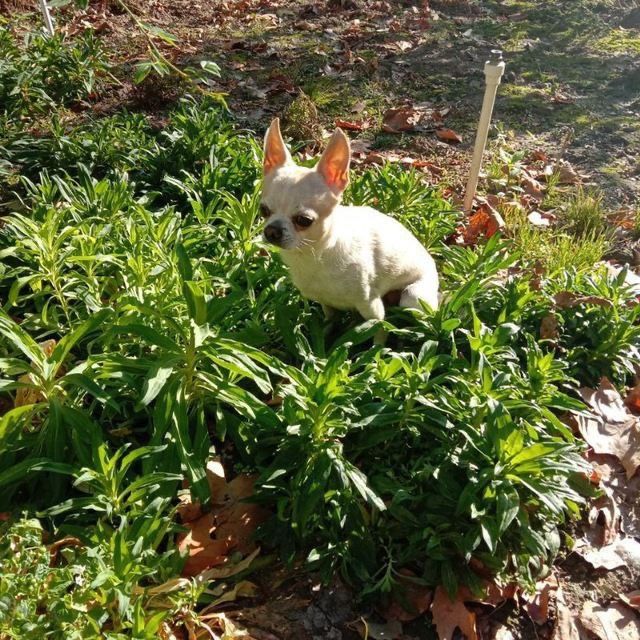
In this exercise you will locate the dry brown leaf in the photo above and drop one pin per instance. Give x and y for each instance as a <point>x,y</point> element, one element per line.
<point>188,510</point>
<point>567,174</point>
<point>399,120</point>
<point>67,541</point>
<point>537,604</point>
<point>485,221</point>
<point>549,327</point>
<point>204,552</point>
<point>360,147</point>
<point>448,135</point>
<point>565,628</point>
<point>352,125</point>
<point>449,615</point>
<point>631,599</point>
<point>605,510</point>
<point>532,187</point>
<point>613,430</point>
<point>358,107</point>
<point>633,399</point>
<point>568,299</point>
<point>622,552</point>
<point>611,622</point>
<point>496,594</point>
<point>410,599</point>
<point>229,527</point>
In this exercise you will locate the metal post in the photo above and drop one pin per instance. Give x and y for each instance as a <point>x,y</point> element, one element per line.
<point>47,17</point>
<point>493,70</point>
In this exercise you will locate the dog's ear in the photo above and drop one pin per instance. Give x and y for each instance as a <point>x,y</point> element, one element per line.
<point>334,164</point>
<point>275,151</point>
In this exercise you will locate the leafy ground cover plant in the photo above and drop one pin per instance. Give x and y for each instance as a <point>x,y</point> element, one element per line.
<point>144,328</point>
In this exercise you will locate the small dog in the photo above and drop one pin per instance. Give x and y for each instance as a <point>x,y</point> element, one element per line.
<point>343,257</point>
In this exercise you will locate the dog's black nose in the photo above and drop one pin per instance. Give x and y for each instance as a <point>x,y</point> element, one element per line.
<point>273,232</point>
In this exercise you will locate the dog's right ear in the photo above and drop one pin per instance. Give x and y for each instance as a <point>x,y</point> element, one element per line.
<point>275,151</point>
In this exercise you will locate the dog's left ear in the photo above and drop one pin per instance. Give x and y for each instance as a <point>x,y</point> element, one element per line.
<point>334,163</point>
<point>276,153</point>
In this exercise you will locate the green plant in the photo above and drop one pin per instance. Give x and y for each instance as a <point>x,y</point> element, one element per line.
<point>137,251</point>
<point>403,194</point>
<point>584,215</point>
<point>45,72</point>
<point>557,251</point>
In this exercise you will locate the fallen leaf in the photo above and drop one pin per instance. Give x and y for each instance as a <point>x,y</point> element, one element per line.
<point>358,107</point>
<point>565,628</point>
<point>622,552</point>
<point>605,510</point>
<point>633,399</point>
<point>203,551</point>
<point>352,125</point>
<point>399,120</point>
<point>613,429</point>
<point>485,221</point>
<point>567,174</point>
<point>449,615</point>
<point>532,187</point>
<point>631,279</point>
<point>242,589</point>
<point>631,599</point>
<point>67,541</point>
<point>568,299</point>
<point>549,327</point>
<point>188,510</point>
<point>228,527</point>
<point>410,598</point>
<point>448,135</point>
<point>537,604</point>
<point>538,220</point>
<point>613,622</point>
<point>360,147</point>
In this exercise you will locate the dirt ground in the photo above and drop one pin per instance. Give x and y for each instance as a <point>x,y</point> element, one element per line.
<point>572,81</point>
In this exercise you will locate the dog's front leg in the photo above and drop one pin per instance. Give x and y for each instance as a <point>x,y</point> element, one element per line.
<point>374,310</point>
<point>329,312</point>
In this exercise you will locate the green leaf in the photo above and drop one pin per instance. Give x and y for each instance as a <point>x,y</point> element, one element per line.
<point>21,340</point>
<point>67,343</point>
<point>184,264</point>
<point>156,379</point>
<point>196,304</point>
<point>150,335</point>
<point>507,507</point>
<point>23,469</point>
<point>210,67</point>
<point>14,419</point>
<point>142,70</point>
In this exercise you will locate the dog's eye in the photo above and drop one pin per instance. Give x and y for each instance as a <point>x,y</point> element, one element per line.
<point>265,212</point>
<point>302,221</point>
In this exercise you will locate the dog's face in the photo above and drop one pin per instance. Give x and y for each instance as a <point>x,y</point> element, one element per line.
<point>297,202</point>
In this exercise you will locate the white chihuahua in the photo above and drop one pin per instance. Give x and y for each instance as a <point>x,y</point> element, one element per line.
<point>342,257</point>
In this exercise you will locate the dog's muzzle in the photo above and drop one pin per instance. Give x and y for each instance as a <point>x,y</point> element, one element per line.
<point>274,232</point>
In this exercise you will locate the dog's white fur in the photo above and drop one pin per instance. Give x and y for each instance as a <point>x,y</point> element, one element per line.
<point>349,257</point>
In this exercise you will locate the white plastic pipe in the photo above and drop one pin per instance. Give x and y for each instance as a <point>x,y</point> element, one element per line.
<point>44,7</point>
<point>493,71</point>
